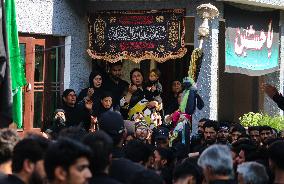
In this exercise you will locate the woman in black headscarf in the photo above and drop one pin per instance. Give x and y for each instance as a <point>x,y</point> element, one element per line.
<point>172,104</point>
<point>94,91</point>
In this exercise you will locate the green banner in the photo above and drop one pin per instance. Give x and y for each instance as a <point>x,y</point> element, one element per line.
<point>17,69</point>
<point>252,41</point>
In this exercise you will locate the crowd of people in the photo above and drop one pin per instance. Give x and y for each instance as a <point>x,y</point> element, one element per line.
<point>220,153</point>
<point>114,132</point>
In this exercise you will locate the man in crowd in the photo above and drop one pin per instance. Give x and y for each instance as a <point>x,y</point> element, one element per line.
<point>201,124</point>
<point>245,150</point>
<point>161,137</point>
<point>265,133</point>
<point>236,131</point>
<point>121,169</point>
<point>139,152</point>
<point>163,163</point>
<point>252,173</point>
<point>223,133</point>
<point>254,134</point>
<point>210,135</point>
<point>187,172</point>
<point>67,162</point>
<point>114,83</point>
<point>146,176</point>
<point>113,124</point>
<point>101,146</point>
<point>8,139</point>
<point>217,164</point>
<point>276,160</point>
<point>27,162</point>
<point>198,139</point>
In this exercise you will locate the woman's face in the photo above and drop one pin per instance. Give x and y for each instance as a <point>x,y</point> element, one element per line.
<point>176,87</point>
<point>97,81</point>
<point>137,78</point>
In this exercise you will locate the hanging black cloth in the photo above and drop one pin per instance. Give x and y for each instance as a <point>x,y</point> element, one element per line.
<point>6,101</point>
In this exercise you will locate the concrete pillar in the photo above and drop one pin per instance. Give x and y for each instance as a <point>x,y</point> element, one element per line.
<point>207,82</point>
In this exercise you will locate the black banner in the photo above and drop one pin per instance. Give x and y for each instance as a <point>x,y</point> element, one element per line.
<point>137,35</point>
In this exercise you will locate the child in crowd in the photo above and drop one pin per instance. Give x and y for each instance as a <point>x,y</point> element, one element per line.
<point>105,105</point>
<point>153,86</point>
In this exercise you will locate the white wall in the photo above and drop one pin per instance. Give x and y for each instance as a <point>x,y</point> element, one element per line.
<point>61,18</point>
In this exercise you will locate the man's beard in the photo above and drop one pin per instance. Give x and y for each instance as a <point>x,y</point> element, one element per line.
<point>115,78</point>
<point>223,140</point>
<point>210,141</point>
<point>37,179</point>
<point>141,138</point>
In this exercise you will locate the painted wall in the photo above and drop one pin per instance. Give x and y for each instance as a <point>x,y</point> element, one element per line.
<point>61,18</point>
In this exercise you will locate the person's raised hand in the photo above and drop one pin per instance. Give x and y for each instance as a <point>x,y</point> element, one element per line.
<point>90,92</point>
<point>132,88</point>
<point>88,103</point>
<point>93,126</point>
<point>153,88</point>
<point>152,104</point>
<point>269,90</point>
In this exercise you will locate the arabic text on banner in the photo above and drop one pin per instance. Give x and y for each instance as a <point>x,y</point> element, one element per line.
<point>137,35</point>
<point>252,41</point>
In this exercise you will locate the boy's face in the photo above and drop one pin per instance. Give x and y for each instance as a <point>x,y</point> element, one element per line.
<point>107,102</point>
<point>153,76</point>
<point>79,172</point>
<point>235,135</point>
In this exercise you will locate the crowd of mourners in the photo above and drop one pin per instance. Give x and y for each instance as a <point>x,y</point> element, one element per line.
<point>115,132</point>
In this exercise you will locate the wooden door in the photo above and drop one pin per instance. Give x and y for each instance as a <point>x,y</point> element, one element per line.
<point>33,51</point>
<point>43,58</point>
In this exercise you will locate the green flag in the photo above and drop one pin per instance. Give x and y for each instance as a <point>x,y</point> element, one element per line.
<point>17,69</point>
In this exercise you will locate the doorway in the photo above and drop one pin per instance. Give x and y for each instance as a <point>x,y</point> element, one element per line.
<point>44,63</point>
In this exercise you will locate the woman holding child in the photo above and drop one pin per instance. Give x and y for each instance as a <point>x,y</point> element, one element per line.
<point>137,100</point>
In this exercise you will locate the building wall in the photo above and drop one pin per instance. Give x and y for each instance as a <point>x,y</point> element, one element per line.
<point>207,82</point>
<point>60,18</point>
<point>63,18</point>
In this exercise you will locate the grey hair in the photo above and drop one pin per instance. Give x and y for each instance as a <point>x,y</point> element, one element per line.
<point>253,173</point>
<point>218,158</point>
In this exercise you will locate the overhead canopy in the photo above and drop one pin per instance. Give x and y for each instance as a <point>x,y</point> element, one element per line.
<point>137,35</point>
